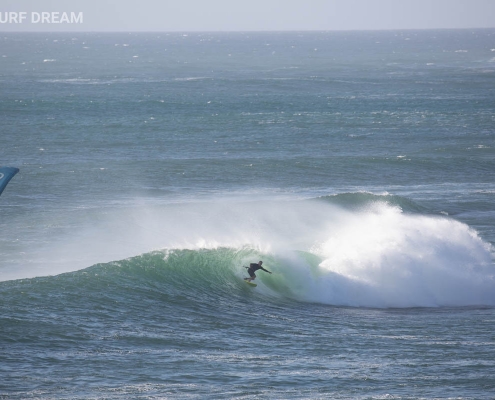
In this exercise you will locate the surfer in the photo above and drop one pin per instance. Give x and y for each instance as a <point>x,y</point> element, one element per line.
<point>254,267</point>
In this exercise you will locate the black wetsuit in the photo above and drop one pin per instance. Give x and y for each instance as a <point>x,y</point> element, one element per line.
<point>254,267</point>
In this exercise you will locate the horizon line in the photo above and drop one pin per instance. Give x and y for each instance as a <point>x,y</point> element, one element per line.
<point>249,31</point>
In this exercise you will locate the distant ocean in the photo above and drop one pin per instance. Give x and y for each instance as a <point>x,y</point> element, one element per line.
<point>359,166</point>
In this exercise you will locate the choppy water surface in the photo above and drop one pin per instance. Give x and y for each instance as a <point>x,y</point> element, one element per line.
<point>358,166</point>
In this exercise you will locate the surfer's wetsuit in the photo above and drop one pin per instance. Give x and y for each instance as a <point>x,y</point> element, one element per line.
<point>255,267</point>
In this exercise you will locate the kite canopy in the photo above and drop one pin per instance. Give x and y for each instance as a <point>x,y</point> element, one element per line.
<point>6,174</point>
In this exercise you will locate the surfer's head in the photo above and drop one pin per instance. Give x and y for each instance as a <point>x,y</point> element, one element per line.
<point>261,262</point>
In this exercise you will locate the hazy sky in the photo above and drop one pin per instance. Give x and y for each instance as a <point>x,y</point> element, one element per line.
<point>252,15</point>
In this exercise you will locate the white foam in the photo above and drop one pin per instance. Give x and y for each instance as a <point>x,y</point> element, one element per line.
<point>384,258</point>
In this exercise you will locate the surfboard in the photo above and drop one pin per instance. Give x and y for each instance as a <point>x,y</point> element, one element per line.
<point>250,283</point>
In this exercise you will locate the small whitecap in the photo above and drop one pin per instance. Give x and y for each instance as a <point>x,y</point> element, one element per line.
<point>49,60</point>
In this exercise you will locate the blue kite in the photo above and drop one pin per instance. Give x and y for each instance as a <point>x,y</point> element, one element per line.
<point>6,174</point>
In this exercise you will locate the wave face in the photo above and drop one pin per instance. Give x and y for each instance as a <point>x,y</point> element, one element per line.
<point>354,249</point>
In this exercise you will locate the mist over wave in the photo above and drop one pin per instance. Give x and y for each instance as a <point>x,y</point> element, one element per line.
<point>353,249</point>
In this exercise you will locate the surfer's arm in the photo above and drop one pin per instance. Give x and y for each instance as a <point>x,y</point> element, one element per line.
<point>265,270</point>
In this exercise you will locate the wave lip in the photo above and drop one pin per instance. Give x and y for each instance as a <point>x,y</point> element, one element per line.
<point>360,200</point>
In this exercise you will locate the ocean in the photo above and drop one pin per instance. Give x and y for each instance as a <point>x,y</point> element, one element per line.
<point>359,166</point>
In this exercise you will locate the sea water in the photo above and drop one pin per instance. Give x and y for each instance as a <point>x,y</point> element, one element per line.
<point>359,166</point>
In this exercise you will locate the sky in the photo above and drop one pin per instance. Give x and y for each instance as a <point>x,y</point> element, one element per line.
<point>244,15</point>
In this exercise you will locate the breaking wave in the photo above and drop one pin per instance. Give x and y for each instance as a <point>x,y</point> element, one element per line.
<point>353,249</point>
